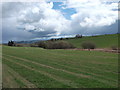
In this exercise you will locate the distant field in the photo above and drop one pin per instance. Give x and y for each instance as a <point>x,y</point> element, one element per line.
<point>101,41</point>
<point>41,68</point>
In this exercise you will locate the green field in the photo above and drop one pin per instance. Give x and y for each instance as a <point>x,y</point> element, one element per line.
<point>0,66</point>
<point>101,41</point>
<point>41,68</point>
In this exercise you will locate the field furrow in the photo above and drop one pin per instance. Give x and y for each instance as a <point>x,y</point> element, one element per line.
<point>47,66</point>
<point>68,82</point>
<point>98,80</point>
<point>79,71</point>
<point>61,68</point>
<point>25,83</point>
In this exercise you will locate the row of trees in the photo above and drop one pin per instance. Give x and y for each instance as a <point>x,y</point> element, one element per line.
<point>11,43</point>
<point>77,36</point>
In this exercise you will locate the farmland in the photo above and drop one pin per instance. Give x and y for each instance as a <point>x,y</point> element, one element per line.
<point>31,67</point>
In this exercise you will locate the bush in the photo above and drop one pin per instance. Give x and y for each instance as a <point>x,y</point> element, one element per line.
<point>78,36</point>
<point>52,39</point>
<point>62,45</point>
<point>33,45</point>
<point>88,45</point>
<point>19,45</point>
<point>22,45</point>
<point>41,44</point>
<point>61,38</point>
<point>55,45</point>
<point>114,47</point>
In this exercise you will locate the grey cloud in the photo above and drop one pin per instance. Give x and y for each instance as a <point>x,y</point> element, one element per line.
<point>10,32</point>
<point>10,9</point>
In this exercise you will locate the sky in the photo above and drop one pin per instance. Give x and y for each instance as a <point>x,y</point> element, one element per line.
<point>65,18</point>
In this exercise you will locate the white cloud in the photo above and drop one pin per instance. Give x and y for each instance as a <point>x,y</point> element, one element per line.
<point>29,27</point>
<point>42,20</point>
<point>93,13</point>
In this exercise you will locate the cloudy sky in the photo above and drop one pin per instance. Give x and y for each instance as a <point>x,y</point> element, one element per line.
<point>49,19</point>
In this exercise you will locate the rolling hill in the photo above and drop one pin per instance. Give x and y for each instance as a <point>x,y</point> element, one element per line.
<point>101,41</point>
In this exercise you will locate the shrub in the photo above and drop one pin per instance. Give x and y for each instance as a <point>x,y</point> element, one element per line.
<point>114,47</point>
<point>78,36</point>
<point>33,45</point>
<point>21,45</point>
<point>62,45</point>
<point>18,45</point>
<point>88,45</point>
<point>55,45</point>
<point>61,38</point>
<point>41,44</point>
<point>66,38</point>
<point>52,39</point>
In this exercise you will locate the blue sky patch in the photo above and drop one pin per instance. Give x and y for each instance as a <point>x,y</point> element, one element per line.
<point>67,12</point>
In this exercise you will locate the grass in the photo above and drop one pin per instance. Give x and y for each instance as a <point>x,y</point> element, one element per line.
<point>61,68</point>
<point>101,41</point>
<point>0,67</point>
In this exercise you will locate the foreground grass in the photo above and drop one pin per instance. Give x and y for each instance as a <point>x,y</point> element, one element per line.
<point>36,67</point>
<point>0,67</point>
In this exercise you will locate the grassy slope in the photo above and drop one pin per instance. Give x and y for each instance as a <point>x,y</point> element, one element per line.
<point>62,68</point>
<point>102,41</point>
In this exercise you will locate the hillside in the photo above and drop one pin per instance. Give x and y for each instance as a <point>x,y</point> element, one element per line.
<point>101,41</point>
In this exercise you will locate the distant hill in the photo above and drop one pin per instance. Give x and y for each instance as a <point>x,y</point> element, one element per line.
<point>26,42</point>
<point>101,41</point>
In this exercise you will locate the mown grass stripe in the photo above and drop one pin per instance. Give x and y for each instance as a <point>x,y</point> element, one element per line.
<point>40,80</point>
<point>26,83</point>
<point>89,73</point>
<point>8,81</point>
<point>61,59</point>
<point>101,80</point>
<point>56,58</point>
<point>65,81</point>
<point>47,66</point>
